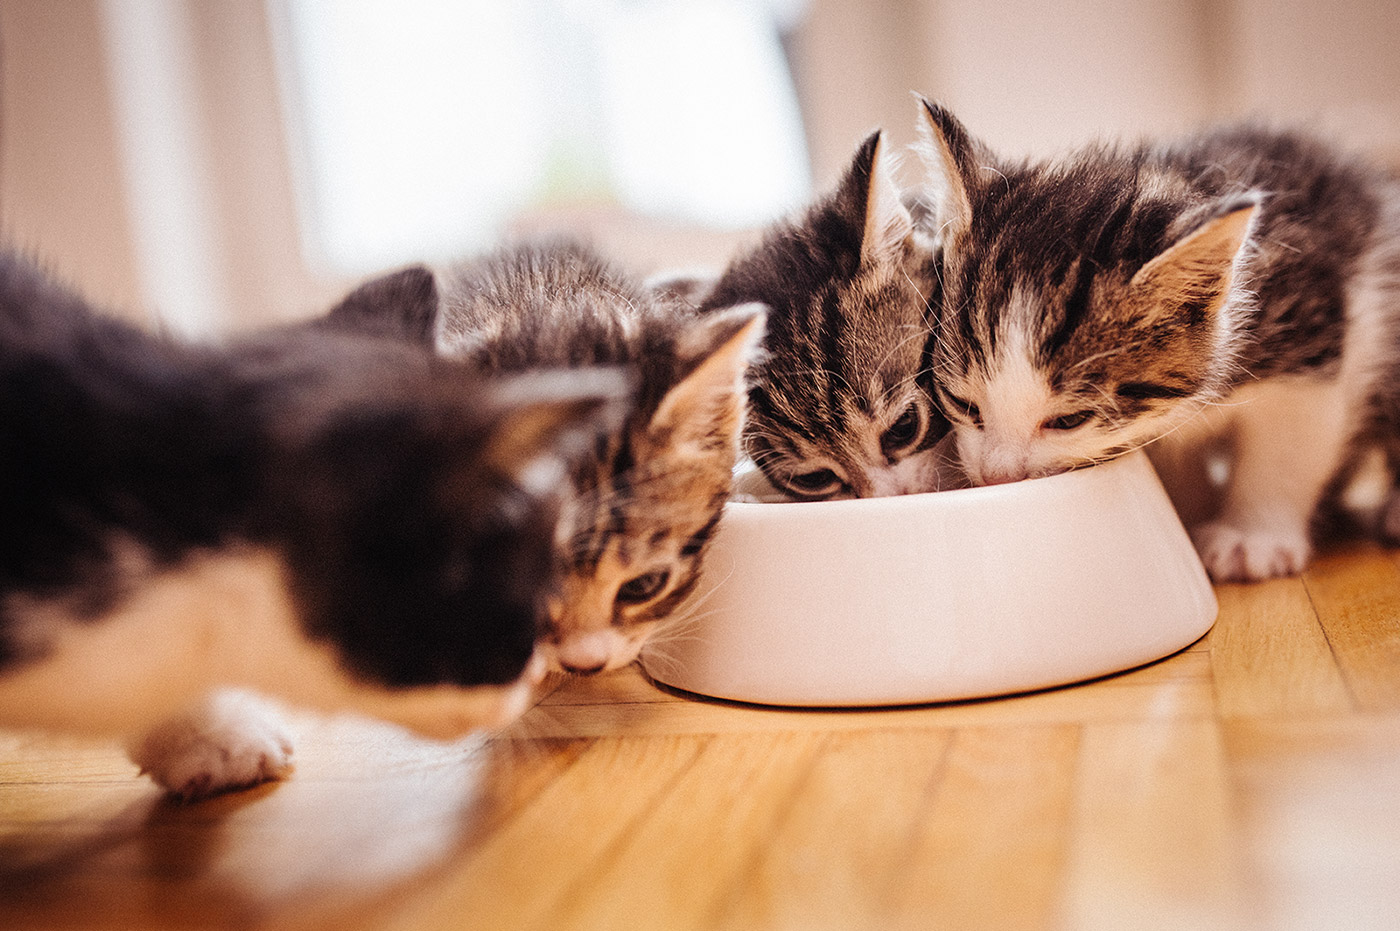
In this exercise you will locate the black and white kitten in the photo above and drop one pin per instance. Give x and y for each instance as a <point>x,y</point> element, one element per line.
<point>643,507</point>
<point>841,402</point>
<point>340,521</point>
<point>1238,289</point>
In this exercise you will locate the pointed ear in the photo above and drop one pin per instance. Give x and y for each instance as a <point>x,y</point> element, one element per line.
<point>705,408</point>
<point>869,196</point>
<point>1197,274</point>
<point>402,305</point>
<point>950,163</point>
<point>544,419</point>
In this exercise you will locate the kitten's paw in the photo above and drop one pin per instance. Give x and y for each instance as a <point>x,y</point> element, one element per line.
<point>1241,554</point>
<point>230,740</point>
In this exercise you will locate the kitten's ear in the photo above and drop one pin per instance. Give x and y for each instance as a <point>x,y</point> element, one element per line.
<point>402,305</point>
<point>544,419</point>
<point>869,192</point>
<point>1197,274</point>
<point>705,407</point>
<point>950,163</point>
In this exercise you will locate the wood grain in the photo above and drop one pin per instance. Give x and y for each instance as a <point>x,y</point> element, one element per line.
<point>1248,782</point>
<point>1152,836</point>
<point>870,788</point>
<point>1357,599</point>
<point>1269,655</point>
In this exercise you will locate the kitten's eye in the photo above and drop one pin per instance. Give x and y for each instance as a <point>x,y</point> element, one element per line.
<point>904,431</point>
<point>816,482</point>
<point>1068,421</point>
<point>965,409</point>
<point>643,588</point>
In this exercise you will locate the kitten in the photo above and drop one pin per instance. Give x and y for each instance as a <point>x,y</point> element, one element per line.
<point>841,403</point>
<point>340,521</point>
<point>633,533</point>
<point>1238,287</point>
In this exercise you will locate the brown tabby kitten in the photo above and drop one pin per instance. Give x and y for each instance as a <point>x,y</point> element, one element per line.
<point>632,538</point>
<point>841,403</point>
<point>1239,287</point>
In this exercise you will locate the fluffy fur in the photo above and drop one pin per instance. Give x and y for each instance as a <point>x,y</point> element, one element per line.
<point>644,505</point>
<point>841,403</point>
<point>1233,293</point>
<point>337,520</point>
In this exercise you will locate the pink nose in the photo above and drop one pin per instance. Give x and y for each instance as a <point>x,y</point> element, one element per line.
<point>1001,476</point>
<point>585,654</point>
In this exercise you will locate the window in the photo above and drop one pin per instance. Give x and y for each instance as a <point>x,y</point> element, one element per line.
<point>420,128</point>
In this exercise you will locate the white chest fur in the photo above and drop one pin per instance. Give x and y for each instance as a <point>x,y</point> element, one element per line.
<point>220,619</point>
<point>176,633</point>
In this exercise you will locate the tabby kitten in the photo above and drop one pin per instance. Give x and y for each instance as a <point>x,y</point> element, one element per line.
<point>633,533</point>
<point>340,521</point>
<point>1239,287</point>
<point>841,403</point>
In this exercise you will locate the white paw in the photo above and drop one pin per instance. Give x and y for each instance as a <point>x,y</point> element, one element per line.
<point>1251,554</point>
<point>230,740</point>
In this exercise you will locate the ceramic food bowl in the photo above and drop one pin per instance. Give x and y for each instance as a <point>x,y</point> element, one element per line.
<point>943,596</point>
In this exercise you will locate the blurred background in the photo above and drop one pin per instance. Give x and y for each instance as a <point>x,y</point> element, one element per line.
<point>211,165</point>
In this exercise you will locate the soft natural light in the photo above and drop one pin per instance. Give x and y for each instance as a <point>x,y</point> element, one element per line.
<point>420,128</point>
<point>419,122</point>
<point>702,121</point>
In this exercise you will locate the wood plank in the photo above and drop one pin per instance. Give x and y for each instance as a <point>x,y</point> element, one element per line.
<point>1269,655</point>
<point>520,873</point>
<point>632,686</point>
<point>1317,803</point>
<point>836,860</point>
<point>676,867</point>
<point>47,758</point>
<point>1116,803</point>
<point>1122,698</point>
<point>992,844</point>
<point>629,684</point>
<point>368,807</point>
<point>1356,594</point>
<point>1152,836</point>
<point>516,773</point>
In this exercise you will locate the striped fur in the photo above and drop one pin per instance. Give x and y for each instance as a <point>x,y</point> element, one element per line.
<point>1239,286</point>
<point>841,403</point>
<point>645,504</point>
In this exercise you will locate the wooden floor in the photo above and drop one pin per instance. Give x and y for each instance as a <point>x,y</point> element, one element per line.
<point>1252,781</point>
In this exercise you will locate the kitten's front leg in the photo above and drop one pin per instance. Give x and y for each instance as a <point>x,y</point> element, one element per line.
<point>1183,465</point>
<point>1289,440</point>
<point>230,739</point>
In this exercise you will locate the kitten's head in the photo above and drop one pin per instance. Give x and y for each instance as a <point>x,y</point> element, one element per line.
<point>1089,306</point>
<point>634,537</point>
<point>641,508</point>
<point>840,405</point>
<point>417,505</point>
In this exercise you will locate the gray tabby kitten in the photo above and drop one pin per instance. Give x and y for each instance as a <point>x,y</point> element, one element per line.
<point>841,404</point>
<point>633,533</point>
<point>1236,289</point>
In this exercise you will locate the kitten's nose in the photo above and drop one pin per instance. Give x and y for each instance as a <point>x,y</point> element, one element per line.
<point>1000,465</point>
<point>585,654</point>
<point>998,477</point>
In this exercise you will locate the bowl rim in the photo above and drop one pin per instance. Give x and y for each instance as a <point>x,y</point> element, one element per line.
<point>958,494</point>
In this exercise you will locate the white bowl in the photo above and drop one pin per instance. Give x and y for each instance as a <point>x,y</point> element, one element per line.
<point>942,596</point>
